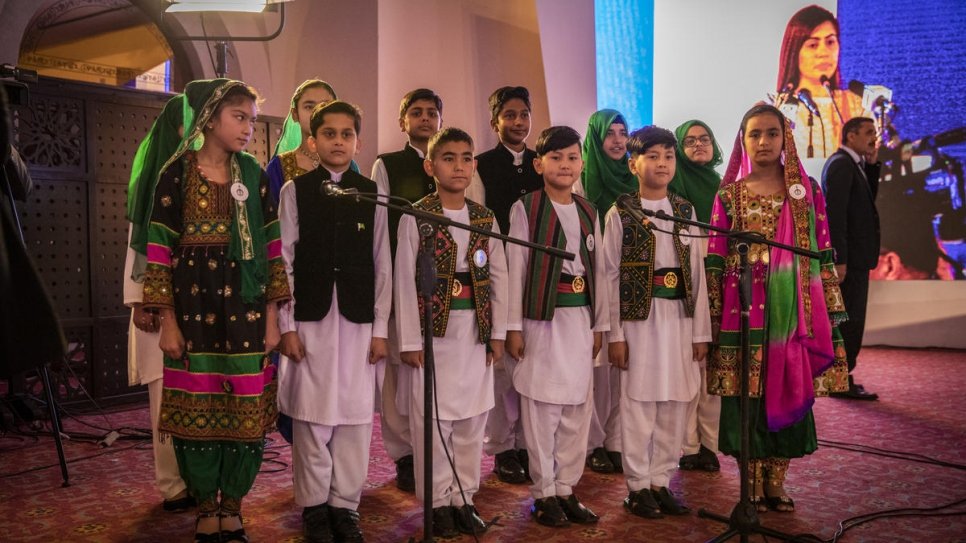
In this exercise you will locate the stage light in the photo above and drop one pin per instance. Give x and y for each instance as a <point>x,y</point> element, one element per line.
<point>247,6</point>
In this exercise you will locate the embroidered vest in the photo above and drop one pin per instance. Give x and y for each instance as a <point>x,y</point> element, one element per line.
<point>543,270</point>
<point>637,260</point>
<point>445,257</point>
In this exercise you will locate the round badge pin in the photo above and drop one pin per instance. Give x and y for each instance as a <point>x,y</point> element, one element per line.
<point>479,258</point>
<point>590,242</point>
<point>797,191</point>
<point>239,191</point>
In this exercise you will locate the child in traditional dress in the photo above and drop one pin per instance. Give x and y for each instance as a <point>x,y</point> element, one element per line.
<point>401,174</point>
<point>660,322</point>
<point>336,254</point>
<point>558,311</point>
<point>469,326</point>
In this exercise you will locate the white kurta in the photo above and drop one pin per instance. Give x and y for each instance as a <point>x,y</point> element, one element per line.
<point>558,360</point>
<point>333,385</point>
<point>464,382</point>
<point>661,363</point>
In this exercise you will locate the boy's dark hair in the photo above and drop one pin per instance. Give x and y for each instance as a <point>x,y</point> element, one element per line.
<point>335,106</point>
<point>556,138</point>
<point>502,95</point>
<point>447,135</point>
<point>852,126</point>
<point>642,139</point>
<point>419,94</point>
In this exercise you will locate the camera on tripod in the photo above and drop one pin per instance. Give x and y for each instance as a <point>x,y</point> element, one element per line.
<point>18,93</point>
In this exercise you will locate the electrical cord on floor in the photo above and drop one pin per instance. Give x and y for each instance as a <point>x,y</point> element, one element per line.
<point>70,461</point>
<point>271,454</point>
<point>901,455</point>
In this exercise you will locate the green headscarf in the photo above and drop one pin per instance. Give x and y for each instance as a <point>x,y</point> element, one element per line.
<point>603,178</point>
<point>247,244</point>
<point>698,183</point>
<point>160,143</point>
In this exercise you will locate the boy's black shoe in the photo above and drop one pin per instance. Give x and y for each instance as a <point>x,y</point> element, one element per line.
<point>508,469</point>
<point>178,505</point>
<point>315,524</point>
<point>405,477</point>
<point>468,520</point>
<point>547,511</point>
<point>444,521</point>
<point>599,461</point>
<point>617,460</point>
<point>345,525</point>
<point>524,457</point>
<point>668,503</point>
<point>576,511</point>
<point>642,504</point>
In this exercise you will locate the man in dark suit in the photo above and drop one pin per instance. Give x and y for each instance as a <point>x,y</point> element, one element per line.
<point>850,180</point>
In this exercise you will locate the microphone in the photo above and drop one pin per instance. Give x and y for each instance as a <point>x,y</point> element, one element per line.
<point>827,85</point>
<point>331,188</point>
<point>640,214</point>
<point>873,96</point>
<point>805,98</point>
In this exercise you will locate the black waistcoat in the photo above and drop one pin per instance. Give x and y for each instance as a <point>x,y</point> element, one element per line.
<point>506,183</point>
<point>334,247</point>
<point>407,179</point>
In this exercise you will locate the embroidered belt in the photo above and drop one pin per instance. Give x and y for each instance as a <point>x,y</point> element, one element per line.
<point>462,293</point>
<point>572,291</point>
<point>668,283</point>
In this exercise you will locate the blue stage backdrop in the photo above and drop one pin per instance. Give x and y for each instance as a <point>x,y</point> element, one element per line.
<point>624,34</point>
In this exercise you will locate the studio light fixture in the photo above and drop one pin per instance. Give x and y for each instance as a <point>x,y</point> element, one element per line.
<point>245,6</point>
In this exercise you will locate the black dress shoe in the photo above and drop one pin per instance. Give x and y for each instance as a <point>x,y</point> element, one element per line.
<point>178,505</point>
<point>444,521</point>
<point>315,524</point>
<point>855,392</point>
<point>345,525</point>
<point>668,503</point>
<point>617,459</point>
<point>508,469</point>
<point>642,504</point>
<point>468,520</point>
<point>576,512</point>
<point>547,511</point>
<point>405,476</point>
<point>524,457</point>
<point>599,461</point>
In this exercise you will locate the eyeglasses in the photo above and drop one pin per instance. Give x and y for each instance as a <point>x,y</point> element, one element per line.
<point>692,141</point>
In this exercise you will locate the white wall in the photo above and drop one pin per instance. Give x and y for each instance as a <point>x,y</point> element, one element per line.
<point>569,60</point>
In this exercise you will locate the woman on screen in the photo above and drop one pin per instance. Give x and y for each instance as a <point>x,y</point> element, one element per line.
<point>809,83</point>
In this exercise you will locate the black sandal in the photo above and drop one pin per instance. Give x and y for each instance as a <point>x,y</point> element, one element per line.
<point>213,537</point>
<point>234,535</point>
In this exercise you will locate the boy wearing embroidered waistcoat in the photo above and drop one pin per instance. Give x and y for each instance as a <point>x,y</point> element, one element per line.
<point>469,319</point>
<point>401,174</point>
<point>558,311</point>
<point>335,325</point>
<point>504,174</point>
<point>661,324</point>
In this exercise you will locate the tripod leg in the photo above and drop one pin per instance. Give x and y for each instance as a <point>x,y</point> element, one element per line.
<point>731,532</point>
<point>55,423</point>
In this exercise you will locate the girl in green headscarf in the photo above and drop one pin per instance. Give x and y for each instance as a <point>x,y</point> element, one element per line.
<point>606,175</point>
<point>695,177</point>
<point>215,275</point>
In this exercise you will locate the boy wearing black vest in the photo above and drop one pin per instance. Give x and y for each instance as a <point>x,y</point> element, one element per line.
<point>469,327</point>
<point>336,254</point>
<point>401,174</point>
<point>504,174</point>
<point>558,311</point>
<point>660,323</point>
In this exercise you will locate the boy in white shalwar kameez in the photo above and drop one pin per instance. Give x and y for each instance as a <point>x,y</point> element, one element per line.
<point>469,326</point>
<point>334,328</point>
<point>558,311</point>
<point>661,324</point>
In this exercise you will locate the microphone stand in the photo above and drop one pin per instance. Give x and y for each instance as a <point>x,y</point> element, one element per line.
<point>810,152</point>
<point>426,271</point>
<point>744,517</point>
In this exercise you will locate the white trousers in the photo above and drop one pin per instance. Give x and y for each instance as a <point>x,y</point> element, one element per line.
<point>605,420</point>
<point>330,463</point>
<point>704,412</point>
<point>394,424</point>
<point>166,473</point>
<point>503,428</point>
<point>653,432</point>
<point>464,440</point>
<point>556,443</point>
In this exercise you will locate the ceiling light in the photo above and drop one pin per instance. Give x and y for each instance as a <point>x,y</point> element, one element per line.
<point>248,6</point>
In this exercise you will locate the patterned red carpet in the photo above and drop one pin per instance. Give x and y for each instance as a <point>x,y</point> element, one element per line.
<point>111,497</point>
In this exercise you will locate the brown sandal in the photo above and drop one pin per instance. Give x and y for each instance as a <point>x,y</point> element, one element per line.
<point>777,470</point>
